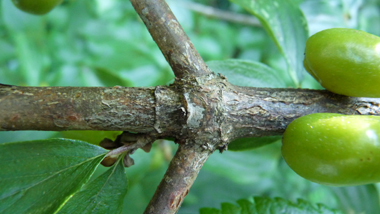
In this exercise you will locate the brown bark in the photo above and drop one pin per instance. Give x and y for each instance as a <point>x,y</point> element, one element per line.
<point>74,108</point>
<point>178,179</point>
<point>201,110</point>
<point>244,111</point>
<point>166,31</point>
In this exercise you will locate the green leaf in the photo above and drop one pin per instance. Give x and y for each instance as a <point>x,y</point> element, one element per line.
<point>247,207</point>
<point>38,176</point>
<point>99,76</point>
<point>228,208</point>
<point>105,194</point>
<point>29,41</point>
<point>245,167</point>
<point>252,143</point>
<point>286,25</point>
<point>93,137</point>
<point>358,199</point>
<point>271,206</point>
<point>247,73</point>
<point>279,205</point>
<point>207,210</point>
<point>30,58</point>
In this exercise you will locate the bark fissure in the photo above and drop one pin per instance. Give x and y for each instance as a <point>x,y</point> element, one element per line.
<point>202,111</point>
<point>168,110</point>
<point>202,117</point>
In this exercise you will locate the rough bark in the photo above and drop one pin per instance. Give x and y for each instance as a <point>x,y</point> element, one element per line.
<point>166,31</point>
<point>201,110</point>
<point>75,108</point>
<point>201,117</point>
<point>178,179</point>
<point>168,111</point>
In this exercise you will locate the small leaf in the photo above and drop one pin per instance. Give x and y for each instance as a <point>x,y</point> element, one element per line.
<point>38,176</point>
<point>252,143</point>
<point>279,205</point>
<point>271,206</point>
<point>105,194</point>
<point>228,208</point>
<point>247,73</point>
<point>247,207</point>
<point>207,210</point>
<point>286,25</point>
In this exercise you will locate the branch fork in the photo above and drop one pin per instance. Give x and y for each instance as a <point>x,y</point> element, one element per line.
<point>201,110</point>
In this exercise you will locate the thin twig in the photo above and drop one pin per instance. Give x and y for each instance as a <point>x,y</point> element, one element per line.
<point>221,14</point>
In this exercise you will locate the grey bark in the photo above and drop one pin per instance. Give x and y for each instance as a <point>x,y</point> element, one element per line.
<point>201,110</point>
<point>167,111</point>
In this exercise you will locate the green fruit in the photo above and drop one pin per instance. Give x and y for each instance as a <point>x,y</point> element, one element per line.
<point>37,7</point>
<point>345,61</point>
<point>334,149</point>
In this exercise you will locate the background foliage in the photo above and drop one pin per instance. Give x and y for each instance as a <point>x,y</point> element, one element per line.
<point>104,43</point>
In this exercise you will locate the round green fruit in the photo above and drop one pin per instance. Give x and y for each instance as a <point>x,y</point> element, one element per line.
<point>334,149</point>
<point>345,61</point>
<point>37,7</point>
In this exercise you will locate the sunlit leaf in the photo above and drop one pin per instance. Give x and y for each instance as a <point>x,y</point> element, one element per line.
<point>105,194</point>
<point>38,176</point>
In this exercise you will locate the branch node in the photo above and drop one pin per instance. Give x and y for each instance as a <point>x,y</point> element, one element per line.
<point>126,144</point>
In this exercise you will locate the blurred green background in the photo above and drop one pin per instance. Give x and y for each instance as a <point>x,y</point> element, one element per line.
<point>104,43</point>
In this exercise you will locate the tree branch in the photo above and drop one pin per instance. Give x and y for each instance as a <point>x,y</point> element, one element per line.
<point>243,111</point>
<point>178,179</point>
<point>221,14</point>
<point>201,118</point>
<point>90,108</point>
<point>268,111</point>
<point>201,110</point>
<point>166,31</point>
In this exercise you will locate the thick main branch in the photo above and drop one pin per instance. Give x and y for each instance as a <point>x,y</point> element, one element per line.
<point>265,111</point>
<point>89,108</point>
<point>243,111</point>
<point>201,118</point>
